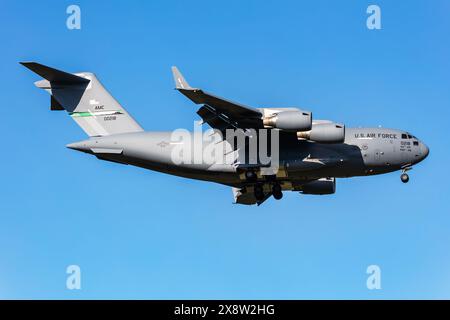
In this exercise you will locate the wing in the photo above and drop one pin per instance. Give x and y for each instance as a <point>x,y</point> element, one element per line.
<point>219,113</point>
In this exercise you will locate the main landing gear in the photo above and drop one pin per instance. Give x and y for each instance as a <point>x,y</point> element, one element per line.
<point>258,188</point>
<point>276,192</point>
<point>259,192</point>
<point>251,176</point>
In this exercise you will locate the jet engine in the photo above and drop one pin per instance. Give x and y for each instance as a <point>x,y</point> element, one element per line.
<point>320,186</point>
<point>324,133</point>
<point>289,120</point>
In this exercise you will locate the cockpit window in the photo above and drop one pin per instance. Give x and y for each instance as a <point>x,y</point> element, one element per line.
<point>416,143</point>
<point>407,136</point>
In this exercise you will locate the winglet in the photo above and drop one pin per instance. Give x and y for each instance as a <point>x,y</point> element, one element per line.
<point>180,82</point>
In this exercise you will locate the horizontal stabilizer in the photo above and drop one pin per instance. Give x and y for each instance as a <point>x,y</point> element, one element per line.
<point>54,75</point>
<point>55,105</point>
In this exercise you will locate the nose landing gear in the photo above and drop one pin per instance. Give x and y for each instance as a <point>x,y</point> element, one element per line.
<point>404,176</point>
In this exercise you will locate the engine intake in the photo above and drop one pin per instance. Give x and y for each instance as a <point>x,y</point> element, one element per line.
<point>324,133</point>
<point>290,121</point>
<point>320,186</point>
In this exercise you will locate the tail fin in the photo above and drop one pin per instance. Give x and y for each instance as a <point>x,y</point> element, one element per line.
<point>85,99</point>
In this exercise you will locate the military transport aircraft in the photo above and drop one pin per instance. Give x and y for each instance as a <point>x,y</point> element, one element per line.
<point>310,153</point>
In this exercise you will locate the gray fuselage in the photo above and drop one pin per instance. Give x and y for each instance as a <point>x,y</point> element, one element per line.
<point>365,151</point>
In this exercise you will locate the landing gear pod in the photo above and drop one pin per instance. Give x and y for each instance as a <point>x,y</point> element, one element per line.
<point>320,186</point>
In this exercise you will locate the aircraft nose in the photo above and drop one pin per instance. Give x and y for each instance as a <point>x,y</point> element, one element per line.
<point>425,150</point>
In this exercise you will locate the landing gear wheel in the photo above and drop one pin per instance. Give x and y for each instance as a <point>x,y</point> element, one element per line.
<point>277,192</point>
<point>259,193</point>
<point>251,176</point>
<point>404,177</point>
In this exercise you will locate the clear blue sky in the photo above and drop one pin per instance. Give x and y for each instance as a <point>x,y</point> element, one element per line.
<point>142,234</point>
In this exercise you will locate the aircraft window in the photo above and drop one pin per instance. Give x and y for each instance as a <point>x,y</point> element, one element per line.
<point>409,136</point>
<point>404,136</point>
<point>416,143</point>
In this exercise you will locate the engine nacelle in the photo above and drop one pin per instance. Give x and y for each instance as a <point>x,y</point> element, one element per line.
<point>320,186</point>
<point>324,133</point>
<point>290,120</point>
